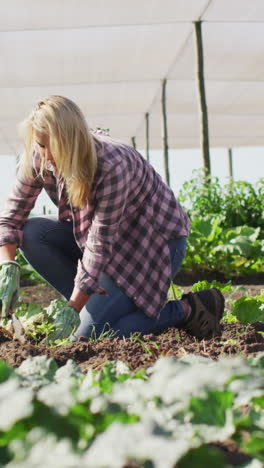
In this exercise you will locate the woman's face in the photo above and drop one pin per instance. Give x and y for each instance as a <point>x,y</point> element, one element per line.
<point>42,141</point>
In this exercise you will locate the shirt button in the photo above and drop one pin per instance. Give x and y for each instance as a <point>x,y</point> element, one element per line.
<point>135,298</point>
<point>118,282</point>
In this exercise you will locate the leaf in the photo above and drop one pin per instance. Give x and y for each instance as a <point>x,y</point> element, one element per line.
<point>223,287</point>
<point>140,443</point>
<point>243,245</point>
<point>202,226</point>
<point>37,371</point>
<point>259,401</point>
<point>229,318</point>
<point>111,373</point>
<point>43,450</point>
<point>5,372</point>
<point>202,457</point>
<point>216,230</point>
<point>255,445</point>
<point>69,371</point>
<point>211,410</point>
<point>32,310</point>
<point>248,310</point>
<point>257,361</point>
<point>55,307</point>
<point>250,232</point>
<point>15,403</point>
<point>58,396</point>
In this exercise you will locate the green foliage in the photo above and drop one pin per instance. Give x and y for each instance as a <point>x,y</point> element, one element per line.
<point>201,457</point>
<point>238,204</point>
<point>110,374</point>
<point>54,416</point>
<point>211,409</point>
<point>227,226</point>
<point>107,332</point>
<point>249,309</point>
<point>37,320</point>
<point>175,292</point>
<point>223,287</point>
<point>5,372</point>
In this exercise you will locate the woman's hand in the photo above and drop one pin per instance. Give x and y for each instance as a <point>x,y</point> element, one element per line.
<point>66,322</point>
<point>9,286</point>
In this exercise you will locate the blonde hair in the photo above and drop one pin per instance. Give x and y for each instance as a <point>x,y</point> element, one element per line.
<point>71,144</point>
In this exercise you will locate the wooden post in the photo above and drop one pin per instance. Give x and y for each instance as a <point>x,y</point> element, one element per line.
<point>165,133</point>
<point>202,99</point>
<point>230,164</point>
<point>147,136</point>
<point>133,139</point>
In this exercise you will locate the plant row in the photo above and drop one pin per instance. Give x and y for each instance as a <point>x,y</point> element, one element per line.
<point>170,417</point>
<point>227,233</point>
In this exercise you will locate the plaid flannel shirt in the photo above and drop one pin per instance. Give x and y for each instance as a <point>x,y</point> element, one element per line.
<point>123,230</point>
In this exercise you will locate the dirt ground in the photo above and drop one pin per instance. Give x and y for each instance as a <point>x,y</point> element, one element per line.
<point>236,339</point>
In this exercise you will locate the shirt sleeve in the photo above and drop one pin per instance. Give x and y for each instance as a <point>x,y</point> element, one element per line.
<point>111,199</point>
<point>18,207</point>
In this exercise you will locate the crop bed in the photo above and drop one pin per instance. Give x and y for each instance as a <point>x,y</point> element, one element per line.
<point>141,353</point>
<point>236,338</point>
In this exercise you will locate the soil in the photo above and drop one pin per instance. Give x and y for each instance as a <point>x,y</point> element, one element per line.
<point>236,339</point>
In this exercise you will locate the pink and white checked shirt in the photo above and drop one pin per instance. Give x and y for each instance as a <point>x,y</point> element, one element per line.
<point>123,230</point>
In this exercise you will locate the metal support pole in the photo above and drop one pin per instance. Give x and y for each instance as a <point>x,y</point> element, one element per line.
<point>230,164</point>
<point>147,136</point>
<point>165,133</point>
<point>133,139</point>
<point>202,99</point>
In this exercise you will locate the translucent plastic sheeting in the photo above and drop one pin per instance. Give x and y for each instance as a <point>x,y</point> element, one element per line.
<point>20,15</point>
<point>111,58</point>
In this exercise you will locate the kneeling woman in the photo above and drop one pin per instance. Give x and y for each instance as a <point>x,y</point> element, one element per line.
<point>119,238</point>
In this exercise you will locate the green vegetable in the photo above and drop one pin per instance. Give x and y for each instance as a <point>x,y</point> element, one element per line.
<point>54,416</point>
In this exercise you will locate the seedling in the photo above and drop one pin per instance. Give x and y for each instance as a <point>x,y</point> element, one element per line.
<point>104,333</point>
<point>166,352</point>
<point>229,342</point>
<point>175,292</point>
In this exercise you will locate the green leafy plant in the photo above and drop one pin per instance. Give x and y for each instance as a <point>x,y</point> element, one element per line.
<point>227,226</point>
<point>249,309</point>
<point>223,287</point>
<point>165,419</point>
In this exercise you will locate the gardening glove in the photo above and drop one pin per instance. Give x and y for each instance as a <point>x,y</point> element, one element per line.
<point>66,322</point>
<point>9,286</point>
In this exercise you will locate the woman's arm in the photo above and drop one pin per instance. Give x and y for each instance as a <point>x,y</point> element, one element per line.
<point>8,252</point>
<point>18,207</point>
<point>78,299</point>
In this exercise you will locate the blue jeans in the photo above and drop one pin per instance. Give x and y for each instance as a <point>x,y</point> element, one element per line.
<point>50,248</point>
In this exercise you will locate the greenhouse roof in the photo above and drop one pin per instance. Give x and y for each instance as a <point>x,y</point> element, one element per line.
<point>111,57</point>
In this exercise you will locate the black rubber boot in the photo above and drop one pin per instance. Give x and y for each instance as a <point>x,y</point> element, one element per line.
<point>207,310</point>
